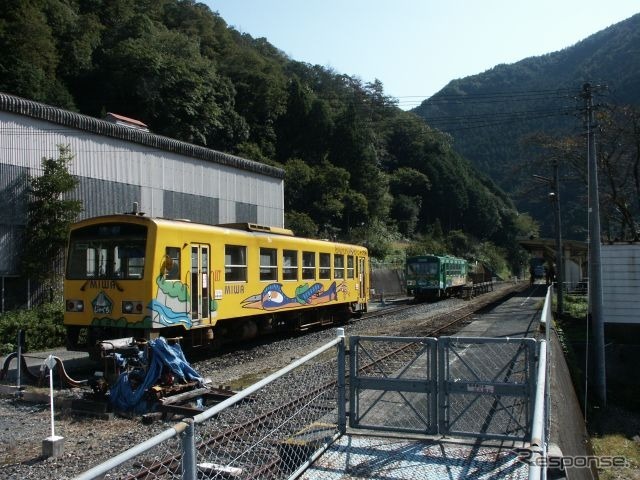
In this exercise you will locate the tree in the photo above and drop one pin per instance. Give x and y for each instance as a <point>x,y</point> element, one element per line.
<point>353,148</point>
<point>376,236</point>
<point>29,58</point>
<point>618,153</point>
<point>405,210</point>
<point>352,158</point>
<point>49,216</point>
<point>161,78</point>
<point>619,161</point>
<point>301,224</point>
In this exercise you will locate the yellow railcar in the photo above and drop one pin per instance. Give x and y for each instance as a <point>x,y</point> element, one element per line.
<point>135,276</point>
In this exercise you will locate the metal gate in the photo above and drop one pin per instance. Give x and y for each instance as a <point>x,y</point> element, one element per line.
<point>479,387</point>
<point>393,384</point>
<point>487,386</point>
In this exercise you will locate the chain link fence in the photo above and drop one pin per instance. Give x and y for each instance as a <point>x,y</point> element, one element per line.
<point>267,431</point>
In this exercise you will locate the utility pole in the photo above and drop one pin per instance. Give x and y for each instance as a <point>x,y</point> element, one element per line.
<point>595,270</point>
<point>559,259</point>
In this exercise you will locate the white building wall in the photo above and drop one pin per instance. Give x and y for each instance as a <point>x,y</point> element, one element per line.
<point>621,283</point>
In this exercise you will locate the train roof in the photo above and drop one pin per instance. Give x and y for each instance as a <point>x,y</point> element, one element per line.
<point>417,258</point>
<point>250,229</point>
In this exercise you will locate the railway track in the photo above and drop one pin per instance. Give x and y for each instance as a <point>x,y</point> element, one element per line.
<point>446,323</point>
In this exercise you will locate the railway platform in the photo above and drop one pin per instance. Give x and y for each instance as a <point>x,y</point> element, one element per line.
<point>72,362</point>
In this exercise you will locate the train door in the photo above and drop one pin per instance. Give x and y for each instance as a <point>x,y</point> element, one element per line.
<point>362,278</point>
<point>200,283</point>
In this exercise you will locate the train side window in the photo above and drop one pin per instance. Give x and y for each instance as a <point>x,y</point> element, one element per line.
<point>338,266</point>
<point>350,267</point>
<point>268,264</point>
<point>325,266</point>
<point>171,265</point>
<point>235,263</point>
<point>308,265</point>
<point>290,265</point>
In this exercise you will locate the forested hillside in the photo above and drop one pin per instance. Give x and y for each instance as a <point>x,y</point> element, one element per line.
<point>357,167</point>
<point>514,121</point>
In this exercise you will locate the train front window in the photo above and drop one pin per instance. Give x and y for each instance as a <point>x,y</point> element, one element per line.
<point>114,251</point>
<point>423,268</point>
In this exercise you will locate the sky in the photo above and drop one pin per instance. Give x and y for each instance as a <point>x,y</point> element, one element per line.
<point>416,47</point>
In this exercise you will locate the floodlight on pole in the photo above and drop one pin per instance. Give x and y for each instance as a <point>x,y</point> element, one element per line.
<point>554,197</point>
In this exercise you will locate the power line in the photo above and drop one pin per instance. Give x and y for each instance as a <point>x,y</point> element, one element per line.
<point>461,122</point>
<point>489,97</point>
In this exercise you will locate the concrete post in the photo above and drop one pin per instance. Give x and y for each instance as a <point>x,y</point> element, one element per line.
<point>342,396</point>
<point>595,271</point>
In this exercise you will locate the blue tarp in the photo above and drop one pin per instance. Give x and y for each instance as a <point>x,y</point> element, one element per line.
<point>124,397</point>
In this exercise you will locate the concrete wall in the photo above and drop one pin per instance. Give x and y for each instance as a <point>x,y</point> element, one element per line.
<point>388,283</point>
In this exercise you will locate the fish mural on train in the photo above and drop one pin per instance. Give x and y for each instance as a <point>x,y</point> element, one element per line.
<point>274,298</point>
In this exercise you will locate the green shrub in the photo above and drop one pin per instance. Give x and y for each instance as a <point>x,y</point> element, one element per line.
<point>575,306</point>
<point>42,325</point>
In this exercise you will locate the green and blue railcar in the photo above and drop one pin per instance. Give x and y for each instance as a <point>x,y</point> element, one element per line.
<point>430,277</point>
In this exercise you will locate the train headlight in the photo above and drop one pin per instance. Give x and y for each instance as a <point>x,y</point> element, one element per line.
<point>75,306</point>
<point>131,307</point>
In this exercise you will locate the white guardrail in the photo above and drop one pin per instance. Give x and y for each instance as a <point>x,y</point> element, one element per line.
<point>540,422</point>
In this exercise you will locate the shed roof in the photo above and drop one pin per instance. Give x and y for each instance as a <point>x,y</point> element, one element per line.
<point>40,111</point>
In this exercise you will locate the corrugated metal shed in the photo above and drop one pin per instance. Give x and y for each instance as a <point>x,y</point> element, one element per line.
<point>621,283</point>
<point>28,108</point>
<point>117,165</point>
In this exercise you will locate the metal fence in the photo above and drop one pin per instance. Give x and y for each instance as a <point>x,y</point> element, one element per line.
<point>487,387</point>
<point>393,374</point>
<point>479,387</point>
<point>270,430</point>
<point>540,425</point>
